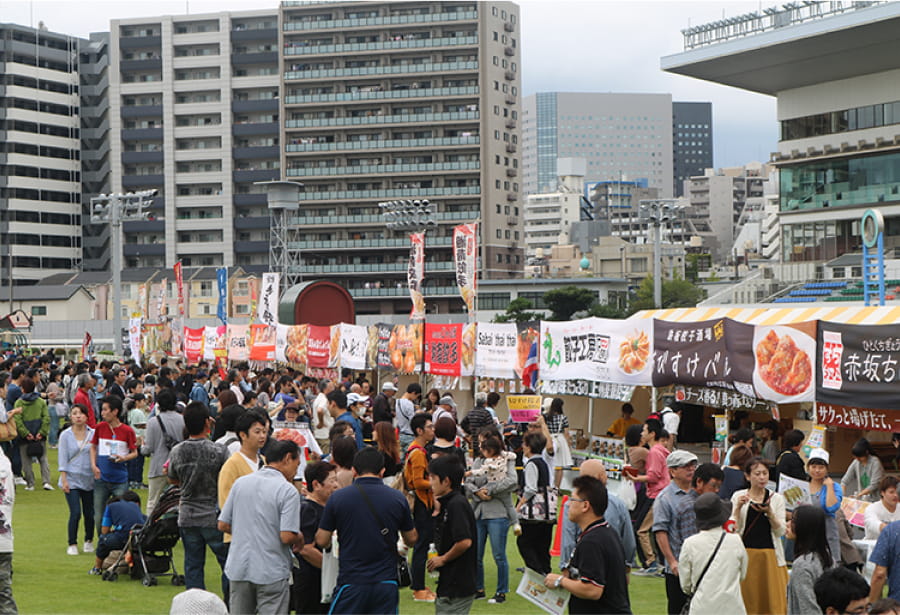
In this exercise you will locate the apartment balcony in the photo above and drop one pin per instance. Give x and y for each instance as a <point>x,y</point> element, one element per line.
<point>143,134</point>
<point>140,42</point>
<point>400,69</point>
<point>144,249</point>
<point>395,169</point>
<point>511,147</point>
<point>386,144</point>
<point>254,34</point>
<point>508,27</point>
<point>130,66</point>
<point>144,226</point>
<point>251,247</point>
<point>509,51</point>
<point>260,57</point>
<point>369,268</point>
<point>373,22</point>
<point>270,152</point>
<point>256,175</point>
<point>258,128</point>
<point>250,223</point>
<point>512,172</point>
<point>142,157</point>
<point>393,193</point>
<point>241,106</point>
<point>354,244</point>
<point>512,196</point>
<point>370,120</point>
<point>377,219</point>
<point>349,48</point>
<point>510,100</point>
<point>248,200</point>
<point>139,181</point>
<point>361,95</point>
<point>403,291</point>
<point>141,111</point>
<point>509,75</point>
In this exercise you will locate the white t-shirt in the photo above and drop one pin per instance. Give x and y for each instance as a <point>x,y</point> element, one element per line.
<point>253,463</point>
<point>321,401</point>
<point>671,421</point>
<point>876,514</point>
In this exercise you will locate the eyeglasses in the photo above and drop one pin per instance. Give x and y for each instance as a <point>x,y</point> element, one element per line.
<point>571,499</point>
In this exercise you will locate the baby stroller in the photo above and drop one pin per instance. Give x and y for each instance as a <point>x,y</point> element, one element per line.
<point>150,545</point>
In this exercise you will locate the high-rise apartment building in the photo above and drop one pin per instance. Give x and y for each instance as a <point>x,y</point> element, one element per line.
<point>40,172</point>
<point>621,136</point>
<point>93,72</point>
<point>391,101</point>
<point>692,145</point>
<point>194,113</point>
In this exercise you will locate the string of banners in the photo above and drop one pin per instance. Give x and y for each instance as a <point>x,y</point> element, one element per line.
<point>840,365</point>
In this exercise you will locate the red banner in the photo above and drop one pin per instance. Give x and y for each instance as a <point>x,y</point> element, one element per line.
<point>262,343</point>
<point>443,346</point>
<point>179,283</point>
<point>318,346</point>
<point>193,345</point>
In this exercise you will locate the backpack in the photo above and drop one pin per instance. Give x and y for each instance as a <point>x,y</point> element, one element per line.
<point>542,507</point>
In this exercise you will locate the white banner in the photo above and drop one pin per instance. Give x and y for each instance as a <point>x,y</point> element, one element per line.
<point>354,344</point>
<point>134,339</point>
<point>209,343</point>
<point>281,335</point>
<point>597,349</point>
<point>495,355</point>
<point>268,299</point>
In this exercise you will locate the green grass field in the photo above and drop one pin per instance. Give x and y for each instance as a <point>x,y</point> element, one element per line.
<point>46,580</point>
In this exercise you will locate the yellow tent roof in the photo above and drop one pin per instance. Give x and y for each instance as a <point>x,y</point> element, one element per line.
<point>856,315</point>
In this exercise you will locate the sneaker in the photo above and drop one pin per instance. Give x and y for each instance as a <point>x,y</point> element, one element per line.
<point>72,550</point>
<point>48,487</point>
<point>88,547</point>
<point>423,595</point>
<point>20,481</point>
<point>497,599</point>
<point>652,570</point>
<point>95,571</point>
<point>29,487</point>
<point>480,595</point>
<point>517,529</point>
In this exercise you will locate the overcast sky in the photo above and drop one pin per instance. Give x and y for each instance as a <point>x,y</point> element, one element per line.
<point>569,46</point>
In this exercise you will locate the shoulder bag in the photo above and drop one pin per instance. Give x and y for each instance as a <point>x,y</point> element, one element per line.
<point>542,507</point>
<point>403,577</point>
<point>686,609</point>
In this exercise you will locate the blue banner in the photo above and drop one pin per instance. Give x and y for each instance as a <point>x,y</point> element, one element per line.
<point>222,310</point>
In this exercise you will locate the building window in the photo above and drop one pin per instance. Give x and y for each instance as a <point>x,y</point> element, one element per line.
<point>39,310</point>
<point>499,233</point>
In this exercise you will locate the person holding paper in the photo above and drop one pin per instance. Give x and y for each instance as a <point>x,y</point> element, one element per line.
<point>596,576</point>
<point>112,446</point>
<point>862,478</point>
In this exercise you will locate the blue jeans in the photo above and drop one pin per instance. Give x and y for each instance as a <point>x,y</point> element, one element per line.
<point>195,541</point>
<point>102,492</point>
<point>425,527</point>
<point>78,501</point>
<point>496,530</point>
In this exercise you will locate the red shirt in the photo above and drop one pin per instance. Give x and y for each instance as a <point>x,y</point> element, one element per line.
<point>82,398</point>
<point>122,432</point>
<point>657,471</point>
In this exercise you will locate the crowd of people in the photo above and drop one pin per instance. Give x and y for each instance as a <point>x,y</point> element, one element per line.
<point>407,491</point>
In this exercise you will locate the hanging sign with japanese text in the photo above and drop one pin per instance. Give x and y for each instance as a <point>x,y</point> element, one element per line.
<point>495,351</point>
<point>857,418</point>
<point>268,299</point>
<point>858,363</point>
<point>586,388</point>
<point>415,275</point>
<point>318,344</point>
<point>464,255</point>
<point>354,343</point>
<point>179,287</point>
<point>134,338</point>
<point>193,345</point>
<point>238,347</point>
<point>383,336</point>
<point>443,344</point>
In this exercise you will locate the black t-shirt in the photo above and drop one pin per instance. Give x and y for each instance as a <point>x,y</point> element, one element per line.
<point>310,577</point>
<point>456,522</point>
<point>381,409</point>
<point>600,559</point>
<point>791,464</point>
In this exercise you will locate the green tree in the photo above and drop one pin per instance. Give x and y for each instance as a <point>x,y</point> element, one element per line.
<point>676,293</point>
<point>565,301</point>
<point>605,310</point>
<point>518,311</point>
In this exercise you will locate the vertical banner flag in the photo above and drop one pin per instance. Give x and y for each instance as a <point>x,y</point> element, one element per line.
<point>268,301</point>
<point>134,338</point>
<point>176,337</point>
<point>193,344</point>
<point>86,346</point>
<point>354,344</point>
<point>179,285</point>
<point>464,255</point>
<point>442,349</point>
<point>161,306</point>
<point>416,275</point>
<point>253,283</point>
<point>142,301</point>
<point>222,283</point>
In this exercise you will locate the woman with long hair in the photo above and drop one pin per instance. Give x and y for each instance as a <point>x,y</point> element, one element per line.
<point>760,519</point>
<point>558,447</point>
<point>862,478</point>
<point>734,472</point>
<point>431,399</point>
<point>386,441</point>
<point>812,557</point>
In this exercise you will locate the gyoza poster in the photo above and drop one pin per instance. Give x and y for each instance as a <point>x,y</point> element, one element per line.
<point>262,343</point>
<point>290,344</point>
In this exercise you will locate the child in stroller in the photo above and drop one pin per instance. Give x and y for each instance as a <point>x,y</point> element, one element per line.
<point>122,513</point>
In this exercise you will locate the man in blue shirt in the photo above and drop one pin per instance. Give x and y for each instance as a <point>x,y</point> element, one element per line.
<point>337,406</point>
<point>118,518</point>
<point>198,389</point>
<point>367,577</point>
<point>886,557</point>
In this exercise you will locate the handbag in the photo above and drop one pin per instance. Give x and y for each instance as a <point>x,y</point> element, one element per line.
<point>686,609</point>
<point>627,494</point>
<point>403,577</point>
<point>542,507</point>
<point>34,448</point>
<point>8,431</point>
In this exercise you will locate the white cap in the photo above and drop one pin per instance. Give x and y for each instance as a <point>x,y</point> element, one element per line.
<point>388,386</point>
<point>819,453</point>
<point>197,602</point>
